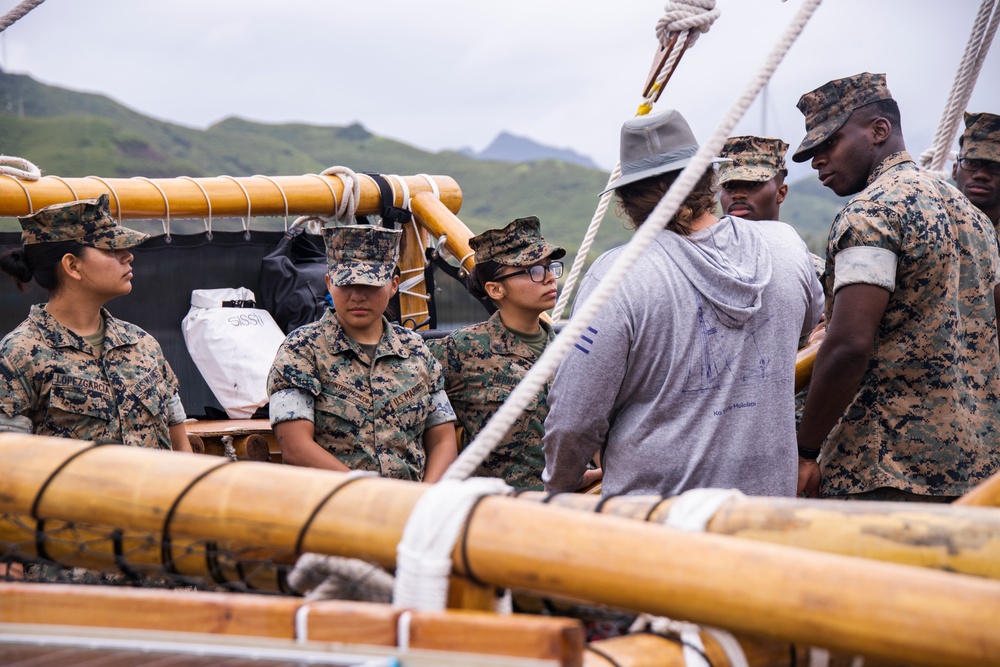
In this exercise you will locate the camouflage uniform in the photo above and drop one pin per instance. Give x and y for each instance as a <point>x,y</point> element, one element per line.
<point>371,415</point>
<point>484,362</point>
<point>54,378</point>
<point>981,138</point>
<point>482,365</point>
<point>925,416</point>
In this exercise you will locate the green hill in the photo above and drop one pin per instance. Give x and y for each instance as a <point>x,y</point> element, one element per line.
<point>75,134</point>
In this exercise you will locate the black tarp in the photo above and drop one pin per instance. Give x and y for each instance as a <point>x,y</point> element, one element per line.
<point>166,273</point>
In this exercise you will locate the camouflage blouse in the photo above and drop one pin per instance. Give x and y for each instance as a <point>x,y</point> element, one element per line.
<point>482,365</point>
<point>371,416</point>
<point>926,416</point>
<point>53,377</point>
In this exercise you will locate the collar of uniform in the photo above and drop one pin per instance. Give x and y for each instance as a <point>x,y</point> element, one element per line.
<point>502,341</point>
<point>339,341</point>
<point>885,165</point>
<point>56,335</point>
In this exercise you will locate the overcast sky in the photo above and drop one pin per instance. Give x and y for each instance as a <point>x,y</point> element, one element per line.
<point>445,74</point>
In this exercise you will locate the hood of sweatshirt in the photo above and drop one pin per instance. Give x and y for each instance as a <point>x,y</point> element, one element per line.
<point>728,263</point>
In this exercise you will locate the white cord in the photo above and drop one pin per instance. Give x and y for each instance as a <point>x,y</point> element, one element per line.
<point>18,167</point>
<point>496,428</point>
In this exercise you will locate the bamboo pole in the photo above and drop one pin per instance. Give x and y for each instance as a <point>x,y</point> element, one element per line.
<point>133,198</point>
<point>805,359</point>
<point>413,308</point>
<point>986,494</point>
<point>435,216</point>
<point>543,638</point>
<point>853,605</point>
<point>943,537</point>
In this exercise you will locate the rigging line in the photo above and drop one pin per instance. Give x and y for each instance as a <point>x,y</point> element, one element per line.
<point>18,13</point>
<point>496,428</point>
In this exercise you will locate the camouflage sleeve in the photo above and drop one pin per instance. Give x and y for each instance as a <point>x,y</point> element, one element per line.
<point>175,411</point>
<point>441,410</point>
<point>293,368</point>
<point>443,350</point>
<point>19,424</point>
<point>291,404</point>
<point>866,265</point>
<point>15,398</point>
<point>866,223</point>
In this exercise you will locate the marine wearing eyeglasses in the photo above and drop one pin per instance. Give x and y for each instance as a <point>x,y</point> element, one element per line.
<point>977,170</point>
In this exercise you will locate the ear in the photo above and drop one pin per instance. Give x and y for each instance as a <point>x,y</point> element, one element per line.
<point>395,286</point>
<point>782,192</point>
<point>70,265</point>
<point>881,130</point>
<point>954,171</point>
<point>496,291</point>
<point>329,287</point>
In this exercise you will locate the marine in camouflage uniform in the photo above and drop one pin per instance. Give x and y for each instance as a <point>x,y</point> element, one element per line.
<point>484,362</point>
<point>370,413</point>
<point>58,382</point>
<point>925,417</point>
<point>979,146</point>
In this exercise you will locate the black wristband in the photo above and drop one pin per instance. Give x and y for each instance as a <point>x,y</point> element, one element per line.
<point>806,453</point>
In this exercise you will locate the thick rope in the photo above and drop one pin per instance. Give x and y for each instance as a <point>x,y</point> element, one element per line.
<point>18,13</point>
<point>18,167</point>
<point>983,31</point>
<point>689,18</point>
<point>423,556</point>
<point>528,388</point>
<point>348,205</point>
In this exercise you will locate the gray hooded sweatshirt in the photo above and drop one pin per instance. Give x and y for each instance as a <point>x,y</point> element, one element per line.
<point>686,377</point>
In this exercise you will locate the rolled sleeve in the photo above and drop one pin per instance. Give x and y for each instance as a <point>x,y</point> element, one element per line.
<point>291,404</point>
<point>866,265</point>
<point>441,410</point>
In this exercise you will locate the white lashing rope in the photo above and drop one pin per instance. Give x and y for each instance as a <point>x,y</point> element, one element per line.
<point>691,511</point>
<point>348,205</point>
<point>423,555</point>
<point>18,167</point>
<point>690,18</point>
<point>528,387</point>
<point>983,31</point>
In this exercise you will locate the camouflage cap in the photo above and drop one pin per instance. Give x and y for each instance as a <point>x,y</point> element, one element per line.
<point>87,221</point>
<point>981,139</point>
<point>754,159</point>
<point>361,254</point>
<point>518,244</point>
<point>828,107</point>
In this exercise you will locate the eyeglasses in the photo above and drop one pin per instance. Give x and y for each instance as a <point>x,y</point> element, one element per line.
<point>536,272</point>
<point>975,165</point>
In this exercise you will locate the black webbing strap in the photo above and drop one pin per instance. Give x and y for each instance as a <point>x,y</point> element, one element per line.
<point>393,216</point>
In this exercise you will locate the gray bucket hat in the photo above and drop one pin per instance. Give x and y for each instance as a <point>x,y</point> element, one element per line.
<point>361,254</point>
<point>655,144</point>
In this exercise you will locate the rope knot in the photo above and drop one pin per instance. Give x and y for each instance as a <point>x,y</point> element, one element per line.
<point>695,16</point>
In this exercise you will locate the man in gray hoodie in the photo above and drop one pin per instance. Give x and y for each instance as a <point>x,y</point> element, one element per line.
<point>686,377</point>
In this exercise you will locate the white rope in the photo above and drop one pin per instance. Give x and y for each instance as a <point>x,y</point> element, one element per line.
<point>246,222</point>
<point>118,204</point>
<point>497,427</point>
<point>423,555</point>
<point>166,205</point>
<point>27,195</point>
<point>333,193</point>
<point>325,577</point>
<point>208,202</point>
<point>433,184</point>
<point>403,631</point>
<point>280,190</point>
<point>18,13</point>
<point>302,624</point>
<point>690,18</point>
<point>18,167</point>
<point>983,31</point>
<point>348,205</point>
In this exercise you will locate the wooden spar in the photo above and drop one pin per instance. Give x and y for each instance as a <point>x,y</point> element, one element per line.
<point>413,307</point>
<point>442,221</point>
<point>518,635</point>
<point>986,494</point>
<point>651,650</point>
<point>804,362</point>
<point>964,540</point>
<point>847,604</point>
<point>141,198</point>
<point>89,546</point>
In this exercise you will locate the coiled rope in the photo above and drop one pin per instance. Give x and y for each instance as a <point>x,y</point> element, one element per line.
<point>685,21</point>
<point>20,168</point>
<point>980,39</point>
<point>18,13</point>
<point>500,423</point>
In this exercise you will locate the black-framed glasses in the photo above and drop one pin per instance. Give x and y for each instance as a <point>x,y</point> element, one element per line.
<point>975,165</point>
<point>536,272</point>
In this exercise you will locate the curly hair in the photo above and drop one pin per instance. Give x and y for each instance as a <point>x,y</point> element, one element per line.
<point>637,200</point>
